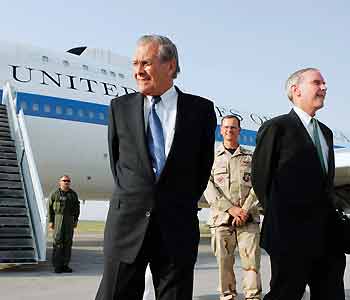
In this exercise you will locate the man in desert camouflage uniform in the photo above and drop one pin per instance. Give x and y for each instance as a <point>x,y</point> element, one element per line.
<point>235,214</point>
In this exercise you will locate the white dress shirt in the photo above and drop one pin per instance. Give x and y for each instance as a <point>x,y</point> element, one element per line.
<point>306,120</point>
<point>166,111</point>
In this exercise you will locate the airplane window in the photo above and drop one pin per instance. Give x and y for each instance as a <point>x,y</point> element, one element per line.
<point>91,114</point>
<point>24,105</point>
<point>86,67</point>
<point>35,107</point>
<point>69,111</point>
<point>103,71</point>
<point>81,113</point>
<point>101,116</point>
<point>65,63</point>
<point>45,58</point>
<point>112,73</point>
<point>121,75</point>
<point>47,108</point>
<point>58,109</point>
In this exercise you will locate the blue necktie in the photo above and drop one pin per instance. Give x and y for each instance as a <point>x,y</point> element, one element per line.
<point>156,138</point>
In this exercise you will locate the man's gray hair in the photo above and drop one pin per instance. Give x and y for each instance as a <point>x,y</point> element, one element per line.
<point>294,79</point>
<point>167,49</point>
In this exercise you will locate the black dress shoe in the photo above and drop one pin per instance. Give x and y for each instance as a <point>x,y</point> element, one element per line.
<point>67,269</point>
<point>58,270</point>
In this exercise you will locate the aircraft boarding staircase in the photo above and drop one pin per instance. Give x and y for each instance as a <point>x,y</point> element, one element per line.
<point>22,205</point>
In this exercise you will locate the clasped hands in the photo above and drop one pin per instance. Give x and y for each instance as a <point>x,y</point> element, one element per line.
<point>240,216</point>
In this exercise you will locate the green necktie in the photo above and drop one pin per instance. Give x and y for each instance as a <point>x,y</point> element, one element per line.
<point>318,143</point>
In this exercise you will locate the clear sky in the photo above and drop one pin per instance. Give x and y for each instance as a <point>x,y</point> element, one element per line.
<point>238,53</point>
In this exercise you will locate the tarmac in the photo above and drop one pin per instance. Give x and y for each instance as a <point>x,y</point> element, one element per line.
<point>38,282</point>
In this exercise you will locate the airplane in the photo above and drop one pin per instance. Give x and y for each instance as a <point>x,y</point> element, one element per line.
<point>63,98</point>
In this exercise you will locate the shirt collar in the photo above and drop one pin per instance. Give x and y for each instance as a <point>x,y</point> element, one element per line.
<point>166,97</point>
<point>221,149</point>
<point>304,116</point>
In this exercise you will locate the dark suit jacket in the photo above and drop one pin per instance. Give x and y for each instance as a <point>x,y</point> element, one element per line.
<point>289,182</point>
<point>172,199</point>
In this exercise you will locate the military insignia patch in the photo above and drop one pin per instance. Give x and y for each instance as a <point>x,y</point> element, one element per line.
<point>246,176</point>
<point>246,161</point>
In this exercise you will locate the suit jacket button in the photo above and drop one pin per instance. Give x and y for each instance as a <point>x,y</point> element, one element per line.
<point>148,214</point>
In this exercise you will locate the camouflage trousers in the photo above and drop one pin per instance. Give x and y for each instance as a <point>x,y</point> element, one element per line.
<point>224,242</point>
<point>62,242</point>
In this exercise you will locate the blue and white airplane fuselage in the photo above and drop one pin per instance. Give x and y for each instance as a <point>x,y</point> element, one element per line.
<point>65,99</point>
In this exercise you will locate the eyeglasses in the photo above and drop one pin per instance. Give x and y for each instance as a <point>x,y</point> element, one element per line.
<point>65,180</point>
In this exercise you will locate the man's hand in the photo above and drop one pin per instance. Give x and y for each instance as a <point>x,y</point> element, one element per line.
<point>51,226</point>
<point>236,211</point>
<point>239,215</point>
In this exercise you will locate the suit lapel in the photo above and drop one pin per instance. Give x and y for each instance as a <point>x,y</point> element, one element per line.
<point>180,115</point>
<point>302,129</point>
<point>137,128</point>
<point>310,142</point>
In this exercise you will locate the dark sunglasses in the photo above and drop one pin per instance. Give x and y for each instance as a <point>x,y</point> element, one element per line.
<point>65,180</point>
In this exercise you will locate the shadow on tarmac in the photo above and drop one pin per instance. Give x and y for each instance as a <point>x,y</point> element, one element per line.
<point>87,264</point>
<point>87,260</point>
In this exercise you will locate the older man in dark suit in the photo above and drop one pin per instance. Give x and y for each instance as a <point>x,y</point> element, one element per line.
<point>161,145</point>
<point>292,175</point>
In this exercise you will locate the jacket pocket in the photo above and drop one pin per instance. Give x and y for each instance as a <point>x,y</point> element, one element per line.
<point>221,176</point>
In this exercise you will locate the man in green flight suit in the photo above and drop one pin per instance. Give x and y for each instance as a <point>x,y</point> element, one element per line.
<point>64,210</point>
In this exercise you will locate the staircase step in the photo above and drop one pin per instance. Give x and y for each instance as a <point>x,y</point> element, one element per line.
<point>5,138</point>
<point>9,169</point>
<point>13,211</point>
<point>3,119</point>
<point>9,155</point>
<point>12,177</point>
<point>5,129</point>
<point>7,143</point>
<point>13,202</point>
<point>8,162</point>
<point>5,135</point>
<point>14,232</point>
<point>18,221</point>
<point>10,184</point>
<point>4,125</point>
<point>8,149</point>
<point>9,193</point>
<point>16,243</point>
<point>16,256</point>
